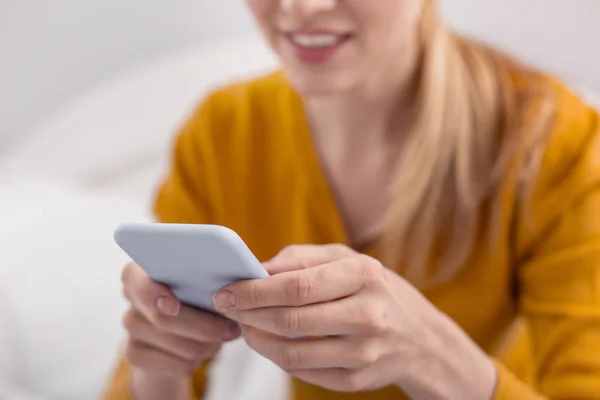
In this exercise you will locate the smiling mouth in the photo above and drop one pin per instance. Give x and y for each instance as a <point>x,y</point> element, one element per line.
<point>316,47</point>
<point>317,40</point>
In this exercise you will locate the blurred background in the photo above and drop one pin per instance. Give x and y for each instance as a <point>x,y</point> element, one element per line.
<point>91,93</point>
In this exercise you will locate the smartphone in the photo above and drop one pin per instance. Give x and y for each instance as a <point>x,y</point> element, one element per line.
<point>195,261</point>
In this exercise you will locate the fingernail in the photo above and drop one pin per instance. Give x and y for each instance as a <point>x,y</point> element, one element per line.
<point>232,333</point>
<point>168,306</point>
<point>224,299</point>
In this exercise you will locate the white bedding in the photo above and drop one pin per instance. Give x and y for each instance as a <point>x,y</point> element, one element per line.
<point>59,289</point>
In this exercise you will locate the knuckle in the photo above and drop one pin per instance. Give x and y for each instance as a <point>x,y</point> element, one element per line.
<point>288,358</point>
<point>370,269</point>
<point>367,353</point>
<point>300,288</point>
<point>290,251</point>
<point>339,249</point>
<point>322,278</point>
<point>287,321</point>
<point>254,295</point>
<point>374,318</point>
<point>130,320</point>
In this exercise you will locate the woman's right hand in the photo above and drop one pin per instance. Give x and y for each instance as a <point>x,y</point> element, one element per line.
<point>166,339</point>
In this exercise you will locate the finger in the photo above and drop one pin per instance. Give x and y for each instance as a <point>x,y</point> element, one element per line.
<point>312,353</point>
<point>148,358</point>
<point>343,317</point>
<point>197,325</point>
<point>141,330</point>
<point>147,295</point>
<point>297,257</point>
<point>326,282</point>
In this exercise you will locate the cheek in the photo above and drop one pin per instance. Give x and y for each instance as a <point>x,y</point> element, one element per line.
<point>386,10</point>
<point>387,24</point>
<point>265,14</point>
<point>263,10</point>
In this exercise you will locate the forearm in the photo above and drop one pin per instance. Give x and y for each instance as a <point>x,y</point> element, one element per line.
<point>146,386</point>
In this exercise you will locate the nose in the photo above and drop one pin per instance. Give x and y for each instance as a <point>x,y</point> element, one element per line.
<point>307,8</point>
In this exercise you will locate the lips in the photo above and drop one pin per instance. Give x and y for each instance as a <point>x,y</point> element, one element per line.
<point>316,47</point>
<point>317,40</point>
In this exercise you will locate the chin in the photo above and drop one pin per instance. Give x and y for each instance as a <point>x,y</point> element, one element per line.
<point>320,83</point>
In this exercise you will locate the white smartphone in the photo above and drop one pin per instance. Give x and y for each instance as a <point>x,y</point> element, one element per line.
<point>195,261</point>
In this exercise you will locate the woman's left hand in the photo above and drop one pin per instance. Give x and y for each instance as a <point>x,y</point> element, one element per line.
<point>340,320</point>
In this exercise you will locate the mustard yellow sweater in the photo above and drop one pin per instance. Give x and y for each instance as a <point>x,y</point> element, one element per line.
<point>245,160</point>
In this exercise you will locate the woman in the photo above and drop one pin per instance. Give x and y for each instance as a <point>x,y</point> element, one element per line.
<point>387,141</point>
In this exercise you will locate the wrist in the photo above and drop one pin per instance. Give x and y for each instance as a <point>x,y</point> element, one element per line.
<point>148,386</point>
<point>449,365</point>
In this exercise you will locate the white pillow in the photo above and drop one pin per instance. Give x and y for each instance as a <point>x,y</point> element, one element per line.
<point>120,134</point>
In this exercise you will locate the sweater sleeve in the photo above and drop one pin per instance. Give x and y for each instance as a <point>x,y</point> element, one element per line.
<point>558,240</point>
<point>181,198</point>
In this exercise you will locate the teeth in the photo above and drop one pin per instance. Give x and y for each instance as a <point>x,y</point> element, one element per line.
<point>317,40</point>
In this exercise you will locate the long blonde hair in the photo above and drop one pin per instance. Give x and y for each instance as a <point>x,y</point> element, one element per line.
<point>467,129</point>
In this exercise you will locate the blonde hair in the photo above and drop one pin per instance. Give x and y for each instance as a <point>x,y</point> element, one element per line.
<point>468,128</point>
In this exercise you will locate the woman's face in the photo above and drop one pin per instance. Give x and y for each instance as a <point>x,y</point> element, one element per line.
<point>335,46</point>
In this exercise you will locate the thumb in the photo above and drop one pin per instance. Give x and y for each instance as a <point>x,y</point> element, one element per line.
<point>147,295</point>
<point>298,257</point>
